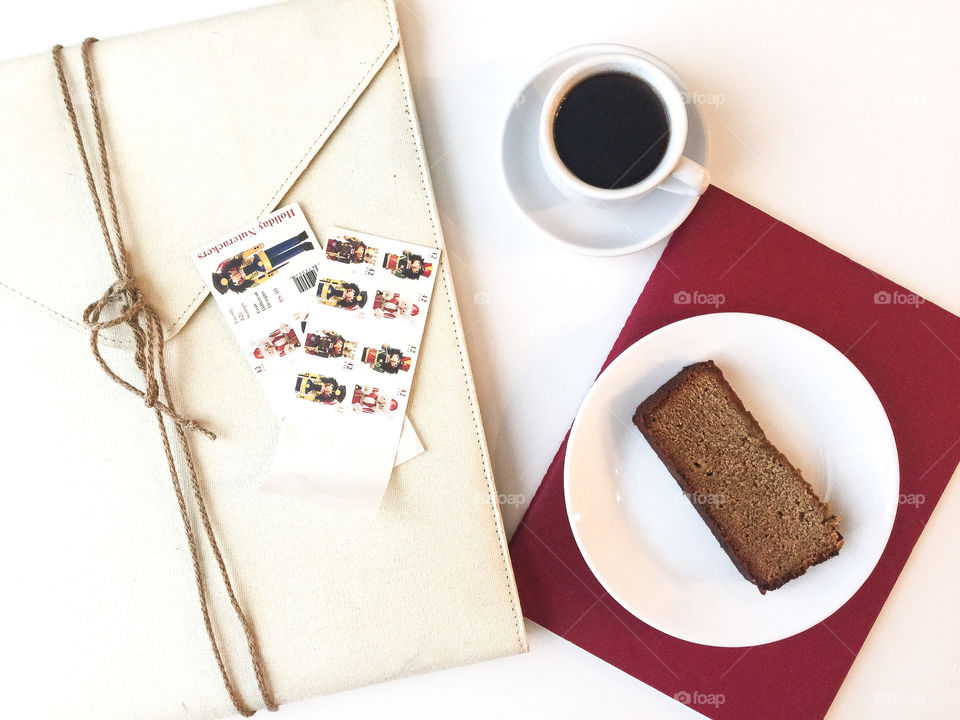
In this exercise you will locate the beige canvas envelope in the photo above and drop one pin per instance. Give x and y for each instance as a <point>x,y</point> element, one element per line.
<point>209,125</point>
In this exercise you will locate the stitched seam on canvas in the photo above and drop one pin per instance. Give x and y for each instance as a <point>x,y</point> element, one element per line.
<point>517,613</point>
<point>314,147</point>
<point>202,291</point>
<point>312,150</point>
<point>316,144</point>
<point>55,313</point>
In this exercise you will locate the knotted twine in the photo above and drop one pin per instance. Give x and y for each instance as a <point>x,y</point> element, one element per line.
<point>133,310</point>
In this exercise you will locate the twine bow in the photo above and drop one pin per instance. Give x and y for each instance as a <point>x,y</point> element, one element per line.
<point>147,330</point>
<point>129,307</point>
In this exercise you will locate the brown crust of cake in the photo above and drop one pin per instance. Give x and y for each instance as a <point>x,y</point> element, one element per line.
<point>640,417</point>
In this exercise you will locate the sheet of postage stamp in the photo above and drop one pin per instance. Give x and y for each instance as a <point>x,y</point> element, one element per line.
<point>250,275</point>
<point>361,341</point>
<point>312,317</point>
<point>264,278</point>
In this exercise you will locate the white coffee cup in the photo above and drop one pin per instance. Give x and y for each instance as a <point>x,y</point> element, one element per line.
<point>675,173</point>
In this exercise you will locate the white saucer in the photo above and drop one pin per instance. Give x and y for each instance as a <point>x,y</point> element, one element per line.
<point>589,229</point>
<point>643,539</point>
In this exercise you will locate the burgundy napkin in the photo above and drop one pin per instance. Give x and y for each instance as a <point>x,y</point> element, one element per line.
<point>909,351</point>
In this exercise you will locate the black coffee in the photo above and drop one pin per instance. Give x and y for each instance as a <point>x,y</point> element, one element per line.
<point>611,130</point>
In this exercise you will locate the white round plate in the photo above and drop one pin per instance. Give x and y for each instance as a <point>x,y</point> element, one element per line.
<point>604,229</point>
<point>643,539</point>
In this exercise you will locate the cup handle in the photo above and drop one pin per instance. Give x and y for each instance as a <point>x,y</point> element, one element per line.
<point>688,178</point>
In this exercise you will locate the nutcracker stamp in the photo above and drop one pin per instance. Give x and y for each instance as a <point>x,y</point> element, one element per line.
<point>320,389</point>
<point>369,400</point>
<point>255,265</point>
<point>408,265</point>
<point>386,359</point>
<point>349,249</point>
<point>279,343</point>
<point>329,344</point>
<point>340,294</point>
<point>392,305</point>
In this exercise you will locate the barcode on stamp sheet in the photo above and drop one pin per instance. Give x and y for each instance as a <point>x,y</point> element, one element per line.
<point>306,279</point>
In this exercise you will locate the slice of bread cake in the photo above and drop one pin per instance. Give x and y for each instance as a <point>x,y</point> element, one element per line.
<point>765,515</point>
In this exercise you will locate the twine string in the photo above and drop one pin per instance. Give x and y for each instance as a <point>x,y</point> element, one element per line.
<point>127,306</point>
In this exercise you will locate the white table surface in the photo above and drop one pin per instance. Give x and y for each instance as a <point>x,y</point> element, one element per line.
<point>837,118</point>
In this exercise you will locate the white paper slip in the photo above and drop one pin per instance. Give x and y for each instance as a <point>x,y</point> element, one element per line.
<point>263,278</point>
<point>361,341</point>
